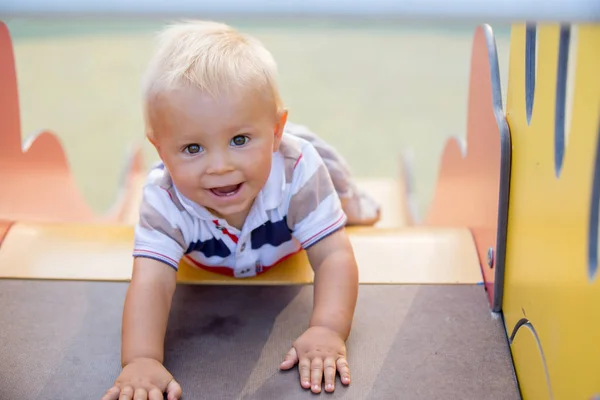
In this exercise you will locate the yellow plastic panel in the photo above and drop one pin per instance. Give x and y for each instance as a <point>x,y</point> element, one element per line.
<point>524,343</point>
<point>103,252</point>
<point>548,278</point>
<point>67,251</point>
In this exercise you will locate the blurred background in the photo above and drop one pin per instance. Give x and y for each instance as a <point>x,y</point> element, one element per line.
<point>372,89</point>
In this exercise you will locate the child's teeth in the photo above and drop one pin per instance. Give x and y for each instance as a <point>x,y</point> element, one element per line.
<point>225,190</point>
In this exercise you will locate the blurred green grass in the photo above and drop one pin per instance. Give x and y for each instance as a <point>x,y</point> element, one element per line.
<point>371,89</point>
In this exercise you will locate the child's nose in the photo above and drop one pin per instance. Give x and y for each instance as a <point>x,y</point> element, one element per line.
<point>219,163</point>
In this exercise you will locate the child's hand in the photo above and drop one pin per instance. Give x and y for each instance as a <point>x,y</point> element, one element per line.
<point>319,351</point>
<point>144,379</point>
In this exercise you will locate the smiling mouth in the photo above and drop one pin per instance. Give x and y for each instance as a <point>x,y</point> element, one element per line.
<point>225,191</point>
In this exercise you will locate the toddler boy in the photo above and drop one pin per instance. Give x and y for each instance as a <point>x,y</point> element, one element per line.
<point>237,190</point>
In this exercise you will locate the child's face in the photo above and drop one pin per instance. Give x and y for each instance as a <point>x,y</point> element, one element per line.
<point>218,152</point>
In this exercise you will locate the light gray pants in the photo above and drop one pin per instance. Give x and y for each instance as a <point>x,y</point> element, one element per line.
<point>359,206</point>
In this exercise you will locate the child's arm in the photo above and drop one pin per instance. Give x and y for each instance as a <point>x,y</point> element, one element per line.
<point>146,310</point>
<point>317,220</point>
<point>336,283</point>
<point>321,349</point>
<point>145,315</point>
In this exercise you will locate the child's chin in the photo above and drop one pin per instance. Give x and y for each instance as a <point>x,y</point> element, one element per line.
<point>232,210</point>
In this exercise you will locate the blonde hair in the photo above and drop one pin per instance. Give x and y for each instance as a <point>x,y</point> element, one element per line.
<point>212,57</point>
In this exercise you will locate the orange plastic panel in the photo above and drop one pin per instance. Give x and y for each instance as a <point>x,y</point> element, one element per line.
<point>4,227</point>
<point>37,184</point>
<point>468,187</point>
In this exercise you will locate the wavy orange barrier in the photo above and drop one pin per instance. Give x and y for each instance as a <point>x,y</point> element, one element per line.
<point>472,184</point>
<point>37,180</point>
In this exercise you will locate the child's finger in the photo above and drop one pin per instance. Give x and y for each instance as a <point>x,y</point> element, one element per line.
<point>112,394</point>
<point>304,369</point>
<point>140,394</point>
<point>126,393</point>
<point>329,370</point>
<point>173,390</point>
<point>344,370</point>
<point>291,358</point>
<point>316,374</point>
<point>155,394</point>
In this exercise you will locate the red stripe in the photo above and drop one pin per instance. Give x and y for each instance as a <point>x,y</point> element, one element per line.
<point>225,231</point>
<point>218,270</point>
<point>169,193</point>
<point>317,234</point>
<point>155,253</point>
<point>298,160</point>
<point>231,235</point>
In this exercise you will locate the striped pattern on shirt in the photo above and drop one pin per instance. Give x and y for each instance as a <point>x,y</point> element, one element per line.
<point>297,207</point>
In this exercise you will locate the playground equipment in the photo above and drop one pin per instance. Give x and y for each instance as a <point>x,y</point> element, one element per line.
<point>515,214</point>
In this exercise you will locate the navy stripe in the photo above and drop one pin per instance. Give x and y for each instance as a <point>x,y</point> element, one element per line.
<point>561,95</point>
<point>530,70</point>
<point>273,233</point>
<point>594,215</point>
<point>210,247</point>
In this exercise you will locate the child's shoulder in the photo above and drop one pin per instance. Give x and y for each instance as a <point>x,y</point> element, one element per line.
<point>158,176</point>
<point>159,188</point>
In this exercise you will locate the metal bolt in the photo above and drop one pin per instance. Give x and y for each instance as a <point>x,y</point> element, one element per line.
<point>490,257</point>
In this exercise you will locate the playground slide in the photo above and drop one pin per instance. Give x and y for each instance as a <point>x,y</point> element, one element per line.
<point>494,239</point>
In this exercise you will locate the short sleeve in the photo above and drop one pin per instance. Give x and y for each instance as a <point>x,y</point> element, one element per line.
<point>162,232</point>
<point>315,210</point>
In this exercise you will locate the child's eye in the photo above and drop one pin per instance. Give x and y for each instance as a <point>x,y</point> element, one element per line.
<point>240,140</point>
<point>192,148</point>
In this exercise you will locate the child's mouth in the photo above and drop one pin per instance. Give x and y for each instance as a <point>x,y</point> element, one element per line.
<point>225,191</point>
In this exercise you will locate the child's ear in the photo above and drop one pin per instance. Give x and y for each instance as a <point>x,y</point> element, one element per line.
<point>151,138</point>
<point>153,141</point>
<point>282,119</point>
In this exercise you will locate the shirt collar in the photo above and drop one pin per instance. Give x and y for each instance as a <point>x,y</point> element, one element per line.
<point>272,193</point>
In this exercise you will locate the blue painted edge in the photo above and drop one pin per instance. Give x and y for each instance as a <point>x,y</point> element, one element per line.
<point>594,213</point>
<point>561,96</point>
<point>530,70</point>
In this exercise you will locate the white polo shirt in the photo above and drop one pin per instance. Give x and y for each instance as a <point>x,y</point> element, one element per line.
<point>297,207</point>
